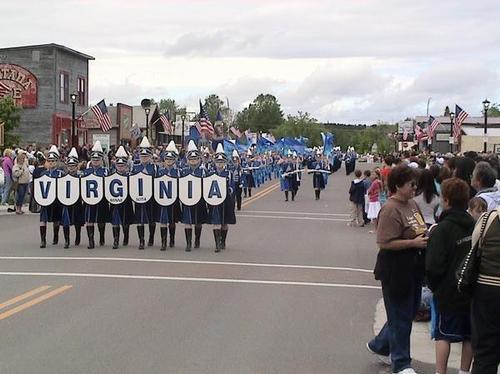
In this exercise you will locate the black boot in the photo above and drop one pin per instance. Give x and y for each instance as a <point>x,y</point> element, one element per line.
<point>171,228</point>
<point>116,236</point>
<point>245,192</point>
<point>126,229</point>
<point>217,237</point>
<point>163,234</point>
<point>249,192</point>
<point>189,237</point>
<point>223,238</point>
<point>56,235</point>
<point>66,236</point>
<point>152,228</point>
<point>102,232</point>
<point>286,195</point>
<point>316,194</point>
<point>293,195</point>
<point>197,236</point>
<point>140,232</point>
<point>43,236</point>
<point>78,234</point>
<point>90,234</point>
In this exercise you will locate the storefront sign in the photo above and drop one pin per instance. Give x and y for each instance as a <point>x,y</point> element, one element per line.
<point>19,83</point>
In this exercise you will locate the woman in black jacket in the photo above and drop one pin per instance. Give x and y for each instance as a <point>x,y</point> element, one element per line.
<point>449,242</point>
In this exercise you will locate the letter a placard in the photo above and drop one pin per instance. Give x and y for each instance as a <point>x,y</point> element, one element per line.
<point>68,189</point>
<point>190,190</point>
<point>165,190</point>
<point>92,187</point>
<point>214,189</point>
<point>45,190</point>
<point>116,188</point>
<point>140,187</point>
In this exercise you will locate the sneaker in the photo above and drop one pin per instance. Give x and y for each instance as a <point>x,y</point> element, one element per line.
<point>385,359</point>
<point>406,371</point>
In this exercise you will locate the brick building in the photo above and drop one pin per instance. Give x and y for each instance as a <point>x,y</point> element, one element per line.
<point>41,79</point>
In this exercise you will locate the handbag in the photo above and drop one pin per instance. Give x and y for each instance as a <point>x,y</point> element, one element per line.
<point>468,271</point>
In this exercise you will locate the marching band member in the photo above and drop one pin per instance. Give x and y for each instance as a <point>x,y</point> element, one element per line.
<point>145,212</point>
<point>197,214</point>
<point>222,215</point>
<point>248,178</point>
<point>169,215</point>
<point>53,212</point>
<point>320,170</point>
<point>100,212</point>
<point>122,214</point>
<point>74,214</point>
<point>237,178</point>
<point>289,177</point>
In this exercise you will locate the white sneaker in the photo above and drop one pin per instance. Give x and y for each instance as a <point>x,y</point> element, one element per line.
<point>406,371</point>
<point>385,359</point>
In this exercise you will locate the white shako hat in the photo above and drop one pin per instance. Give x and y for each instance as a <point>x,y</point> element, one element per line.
<point>145,147</point>
<point>171,151</point>
<point>72,158</point>
<point>121,156</point>
<point>97,151</point>
<point>219,153</point>
<point>249,152</point>
<point>192,151</point>
<point>53,153</point>
<point>235,154</point>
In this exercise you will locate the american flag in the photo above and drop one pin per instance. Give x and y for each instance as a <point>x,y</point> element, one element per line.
<point>460,116</point>
<point>420,134</point>
<point>431,128</point>
<point>101,112</point>
<point>167,125</point>
<point>205,124</point>
<point>4,90</point>
<point>405,134</point>
<point>235,131</point>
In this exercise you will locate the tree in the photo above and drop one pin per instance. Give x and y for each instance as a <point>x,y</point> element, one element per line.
<point>11,117</point>
<point>494,110</point>
<point>301,125</point>
<point>170,106</point>
<point>263,114</point>
<point>213,104</point>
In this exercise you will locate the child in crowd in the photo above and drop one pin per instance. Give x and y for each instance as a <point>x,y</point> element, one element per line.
<point>367,181</point>
<point>373,193</point>
<point>357,198</point>
<point>477,206</point>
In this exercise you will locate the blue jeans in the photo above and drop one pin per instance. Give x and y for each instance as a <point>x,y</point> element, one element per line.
<point>6,189</point>
<point>394,338</point>
<point>21,193</point>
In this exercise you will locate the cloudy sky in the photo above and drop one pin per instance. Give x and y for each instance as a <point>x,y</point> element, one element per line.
<point>351,61</point>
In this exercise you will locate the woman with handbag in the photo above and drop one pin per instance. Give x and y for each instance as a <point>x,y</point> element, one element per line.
<point>449,243</point>
<point>401,237</point>
<point>21,176</point>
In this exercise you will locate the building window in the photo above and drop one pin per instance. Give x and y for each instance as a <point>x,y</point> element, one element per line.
<point>82,92</point>
<point>64,87</point>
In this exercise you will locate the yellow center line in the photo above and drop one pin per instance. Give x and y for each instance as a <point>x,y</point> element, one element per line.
<point>35,301</point>
<point>23,296</point>
<point>264,193</point>
<point>261,192</point>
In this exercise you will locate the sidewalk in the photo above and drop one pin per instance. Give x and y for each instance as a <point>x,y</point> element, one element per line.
<point>5,212</point>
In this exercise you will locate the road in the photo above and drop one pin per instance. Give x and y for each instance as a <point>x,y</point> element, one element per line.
<point>292,293</point>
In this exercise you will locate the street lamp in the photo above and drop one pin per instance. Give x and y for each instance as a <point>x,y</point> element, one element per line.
<point>183,117</point>
<point>74,137</point>
<point>146,105</point>
<point>452,117</point>
<point>486,106</point>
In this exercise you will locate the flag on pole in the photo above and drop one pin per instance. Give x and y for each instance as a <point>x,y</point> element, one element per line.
<point>236,132</point>
<point>205,124</point>
<point>431,128</point>
<point>419,133</point>
<point>101,112</point>
<point>460,116</point>
<point>167,125</point>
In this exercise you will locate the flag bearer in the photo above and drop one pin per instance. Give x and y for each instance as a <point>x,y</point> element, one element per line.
<point>237,178</point>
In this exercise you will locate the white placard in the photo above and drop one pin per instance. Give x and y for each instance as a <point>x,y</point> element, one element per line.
<point>68,189</point>
<point>92,189</point>
<point>116,188</point>
<point>140,187</point>
<point>165,190</point>
<point>45,190</point>
<point>214,189</point>
<point>190,190</point>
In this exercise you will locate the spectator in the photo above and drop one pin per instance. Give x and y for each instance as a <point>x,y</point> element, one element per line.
<point>21,176</point>
<point>7,165</point>
<point>477,206</point>
<point>400,267</point>
<point>483,180</point>
<point>357,198</point>
<point>427,197</point>
<point>367,181</point>
<point>449,242</point>
<point>373,197</point>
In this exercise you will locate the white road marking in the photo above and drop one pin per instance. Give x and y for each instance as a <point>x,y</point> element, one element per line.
<point>131,259</point>
<point>296,218</point>
<point>213,280</point>
<point>298,213</point>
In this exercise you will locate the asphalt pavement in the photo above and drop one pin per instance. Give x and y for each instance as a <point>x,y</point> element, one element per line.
<point>292,293</point>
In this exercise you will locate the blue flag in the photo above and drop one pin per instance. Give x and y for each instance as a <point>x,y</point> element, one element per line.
<point>328,139</point>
